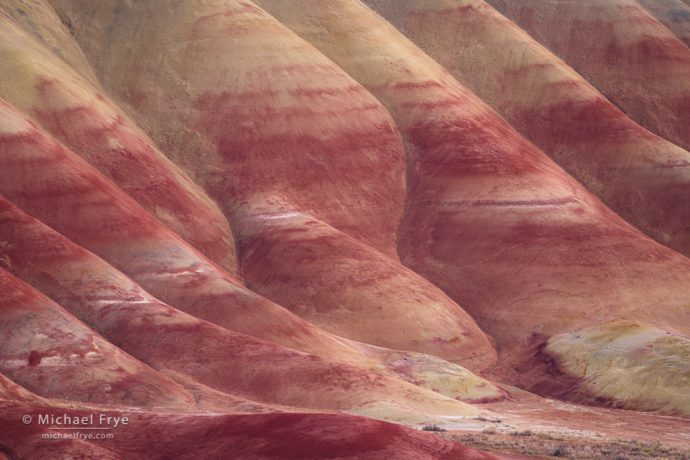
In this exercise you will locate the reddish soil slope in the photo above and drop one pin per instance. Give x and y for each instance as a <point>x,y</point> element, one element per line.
<point>147,251</point>
<point>36,81</point>
<point>75,200</point>
<point>324,139</point>
<point>218,217</point>
<point>176,343</point>
<point>674,14</point>
<point>353,290</point>
<point>644,178</point>
<point>490,218</point>
<point>270,436</point>
<point>51,353</point>
<point>292,133</point>
<point>623,50</point>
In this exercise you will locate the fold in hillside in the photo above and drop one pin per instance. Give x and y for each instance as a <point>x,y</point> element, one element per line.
<point>77,113</point>
<point>674,14</point>
<point>623,50</point>
<point>289,131</point>
<point>39,20</point>
<point>490,218</point>
<point>642,177</point>
<point>74,199</point>
<point>354,291</point>
<point>289,134</point>
<point>334,151</point>
<point>175,343</point>
<point>49,352</point>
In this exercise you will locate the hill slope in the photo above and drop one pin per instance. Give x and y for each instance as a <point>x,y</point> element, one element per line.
<point>490,219</point>
<point>642,177</point>
<point>219,218</point>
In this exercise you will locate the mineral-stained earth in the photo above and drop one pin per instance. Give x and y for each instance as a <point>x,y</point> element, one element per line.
<point>344,229</point>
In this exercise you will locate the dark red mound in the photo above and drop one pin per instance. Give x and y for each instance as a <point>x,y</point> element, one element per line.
<point>271,436</point>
